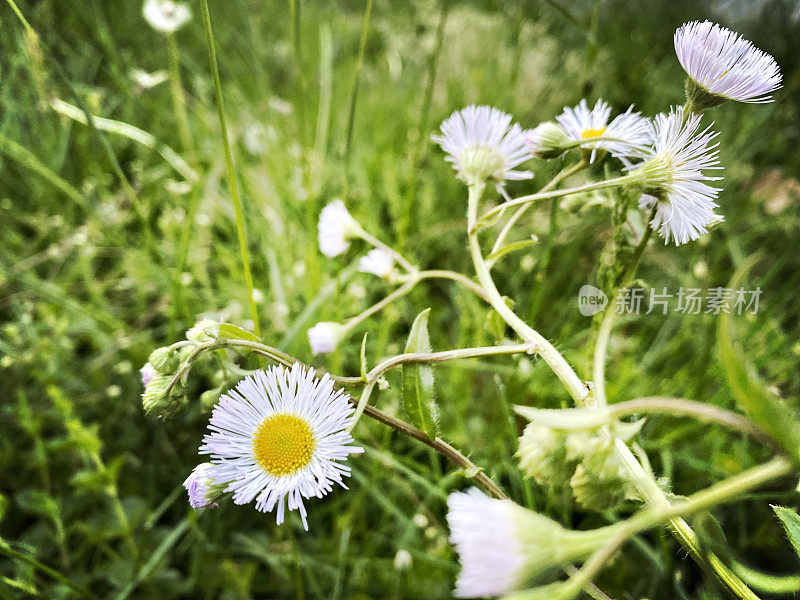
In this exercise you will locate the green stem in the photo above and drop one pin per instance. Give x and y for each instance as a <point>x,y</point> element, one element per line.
<point>371,239</point>
<point>178,95</point>
<point>351,116</point>
<point>6,549</point>
<point>610,317</point>
<point>576,388</point>
<point>561,176</point>
<point>522,200</point>
<point>232,182</point>
<point>398,293</point>
<point>719,493</point>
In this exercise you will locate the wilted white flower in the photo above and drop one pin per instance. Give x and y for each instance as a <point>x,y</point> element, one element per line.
<point>201,488</point>
<point>324,337</point>
<point>724,65</point>
<point>673,178</point>
<point>280,434</point>
<point>336,226</point>
<point>630,128</point>
<point>166,16</point>
<point>378,261</point>
<point>483,146</point>
<point>501,545</point>
<point>147,372</point>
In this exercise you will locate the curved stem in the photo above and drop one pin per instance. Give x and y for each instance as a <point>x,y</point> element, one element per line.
<point>371,239</point>
<point>589,187</point>
<point>398,293</point>
<point>440,446</point>
<point>610,317</point>
<point>561,176</point>
<point>232,182</point>
<point>453,276</point>
<point>581,419</point>
<point>712,496</point>
<point>576,388</point>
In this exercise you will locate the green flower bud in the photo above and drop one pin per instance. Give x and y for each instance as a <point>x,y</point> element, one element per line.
<point>164,360</point>
<point>600,481</point>
<point>157,400</point>
<point>198,334</point>
<point>550,455</point>
<point>548,140</point>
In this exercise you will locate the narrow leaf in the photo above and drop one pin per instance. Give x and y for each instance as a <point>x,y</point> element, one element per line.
<point>419,402</point>
<point>791,523</point>
<point>228,331</point>
<point>364,357</point>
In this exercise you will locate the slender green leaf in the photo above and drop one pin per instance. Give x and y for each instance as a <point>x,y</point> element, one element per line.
<point>418,390</point>
<point>791,523</point>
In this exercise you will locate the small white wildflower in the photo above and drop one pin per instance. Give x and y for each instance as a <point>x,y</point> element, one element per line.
<point>402,560</point>
<point>501,545</point>
<point>336,226</point>
<point>483,146</point>
<point>324,337</point>
<point>199,486</point>
<point>725,65</point>
<point>166,16</point>
<point>674,183</point>
<point>258,296</point>
<point>145,80</point>
<point>631,128</point>
<point>377,261</point>
<point>281,434</point>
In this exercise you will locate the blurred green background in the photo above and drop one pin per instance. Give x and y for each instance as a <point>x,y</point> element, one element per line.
<point>94,275</point>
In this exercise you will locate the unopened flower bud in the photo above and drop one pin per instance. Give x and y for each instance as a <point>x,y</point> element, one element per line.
<point>164,360</point>
<point>198,332</point>
<point>600,481</point>
<point>202,487</point>
<point>156,399</point>
<point>547,140</point>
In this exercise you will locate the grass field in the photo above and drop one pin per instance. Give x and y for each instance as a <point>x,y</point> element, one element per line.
<point>115,241</point>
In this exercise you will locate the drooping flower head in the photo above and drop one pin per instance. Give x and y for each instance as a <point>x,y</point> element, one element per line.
<point>201,487</point>
<point>483,146</point>
<point>336,227</point>
<point>165,15</point>
<point>377,261</point>
<point>325,336</point>
<point>281,434</point>
<point>501,545</point>
<point>673,178</point>
<point>630,128</point>
<point>722,65</point>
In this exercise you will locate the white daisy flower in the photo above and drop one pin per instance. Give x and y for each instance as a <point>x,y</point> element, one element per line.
<point>200,487</point>
<point>724,65</point>
<point>378,261</point>
<point>336,226</point>
<point>672,174</point>
<point>281,434</point>
<point>630,128</point>
<point>166,16</point>
<point>483,146</point>
<point>325,336</point>
<point>501,545</point>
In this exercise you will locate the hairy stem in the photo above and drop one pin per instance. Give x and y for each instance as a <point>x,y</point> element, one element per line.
<point>561,176</point>
<point>576,388</point>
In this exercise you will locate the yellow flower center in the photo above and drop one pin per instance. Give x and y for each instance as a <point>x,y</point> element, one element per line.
<point>592,133</point>
<point>283,444</point>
